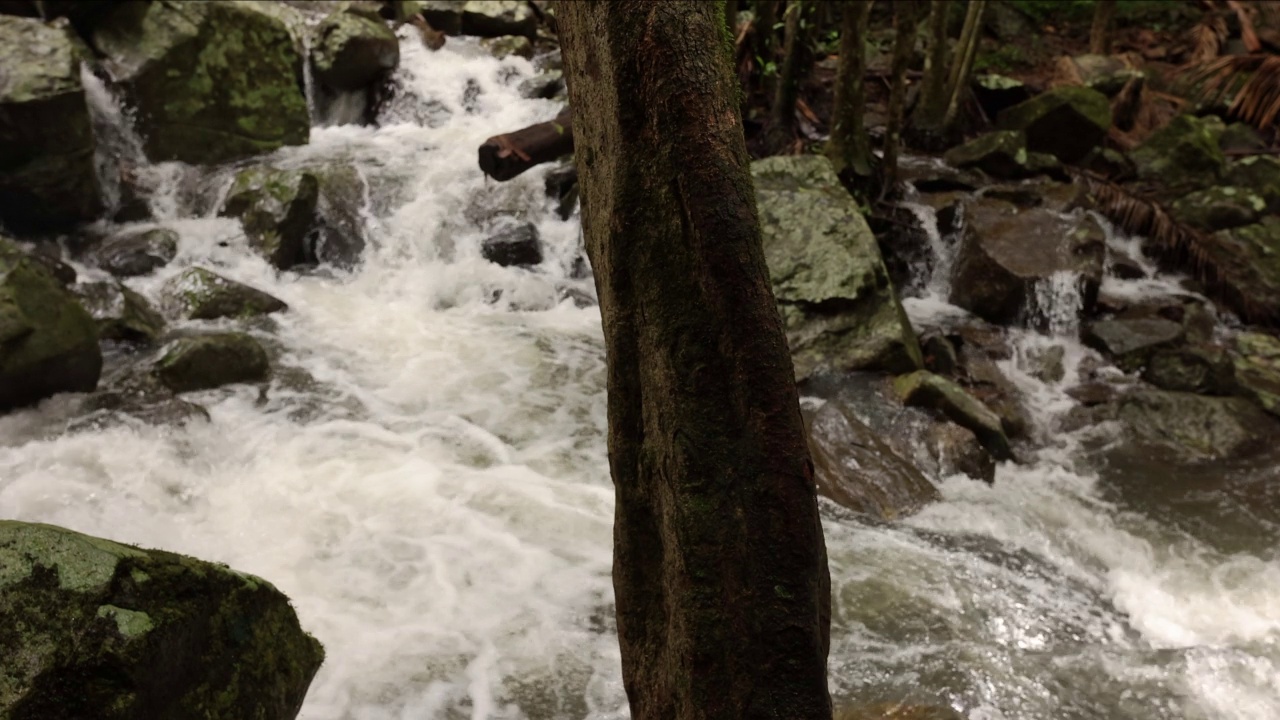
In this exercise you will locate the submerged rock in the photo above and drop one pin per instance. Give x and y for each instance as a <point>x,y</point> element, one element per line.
<point>1066,122</point>
<point>136,252</point>
<point>200,362</point>
<point>48,342</point>
<point>211,81</point>
<point>837,301</point>
<point>352,48</point>
<point>1182,154</point>
<point>853,467</point>
<point>136,394</point>
<point>924,389</point>
<point>121,314</point>
<point>517,245</point>
<point>47,176</point>
<point>200,294</point>
<point>104,630</point>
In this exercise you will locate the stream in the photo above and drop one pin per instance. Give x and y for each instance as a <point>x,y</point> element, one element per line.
<point>426,476</point>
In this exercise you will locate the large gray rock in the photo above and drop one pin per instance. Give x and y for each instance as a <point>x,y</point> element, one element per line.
<point>837,301</point>
<point>136,252</point>
<point>121,313</point>
<point>1129,343</point>
<point>48,342</point>
<point>200,362</point>
<point>211,82</point>
<point>1066,122</point>
<point>96,629</point>
<point>200,294</point>
<point>47,177</point>
<point>352,48</point>
<point>1187,427</point>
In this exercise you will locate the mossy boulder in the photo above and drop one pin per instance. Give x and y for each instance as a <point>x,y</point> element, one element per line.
<point>136,252</point>
<point>1219,208</point>
<point>1258,174</point>
<point>48,342</point>
<point>856,469</point>
<point>1183,154</point>
<point>200,362</point>
<point>481,18</point>
<point>352,48</point>
<point>103,630</point>
<point>200,294</point>
<point>1187,427</point>
<point>1199,368</point>
<point>47,176</point>
<point>1066,122</point>
<point>837,301</point>
<point>1129,343</point>
<point>210,82</point>
<point>1001,154</point>
<point>121,313</point>
<point>924,389</point>
<point>1248,262</point>
<point>1256,360</point>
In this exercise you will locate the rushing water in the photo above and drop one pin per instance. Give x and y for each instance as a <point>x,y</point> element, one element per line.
<point>426,477</point>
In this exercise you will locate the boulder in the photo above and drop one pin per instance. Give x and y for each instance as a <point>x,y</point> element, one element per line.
<point>1241,137</point>
<point>1107,74</point>
<point>838,304</point>
<point>1219,208</point>
<point>958,451</point>
<point>121,314</point>
<point>543,86</point>
<point>854,468</point>
<point>136,252</point>
<point>200,362</point>
<point>48,342</point>
<point>517,244</point>
<point>1259,175</point>
<point>1188,427</point>
<point>352,48</point>
<point>104,630</point>
<point>997,93</point>
<point>1248,262</point>
<point>1066,122</point>
<point>1001,154</point>
<point>200,294</point>
<point>1182,154</point>
<point>924,389</point>
<point>47,176</point>
<point>1130,342</point>
<point>504,47</point>
<point>481,18</point>
<point>1256,361</point>
<point>135,395</point>
<point>1011,262</point>
<point>1201,368</point>
<point>980,375</point>
<point>210,82</point>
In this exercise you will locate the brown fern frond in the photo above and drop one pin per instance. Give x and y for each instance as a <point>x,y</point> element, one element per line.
<point>1253,81</point>
<point>1248,35</point>
<point>1207,38</point>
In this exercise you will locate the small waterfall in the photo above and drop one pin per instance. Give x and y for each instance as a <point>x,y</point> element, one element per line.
<point>1058,302</point>
<point>118,148</point>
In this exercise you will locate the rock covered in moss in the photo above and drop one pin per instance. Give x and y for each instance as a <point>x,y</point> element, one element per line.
<point>136,252</point>
<point>1256,360</point>
<point>121,313</point>
<point>200,294</point>
<point>200,362</point>
<point>48,342</point>
<point>104,630</point>
<point>1248,260</point>
<point>47,177</point>
<point>1001,154</point>
<point>924,389</point>
<point>1189,427</point>
<point>1202,368</point>
<point>352,48</point>
<point>1219,208</point>
<point>1066,122</point>
<point>1182,154</point>
<point>839,306</point>
<point>1130,342</point>
<point>211,81</point>
<point>1260,175</point>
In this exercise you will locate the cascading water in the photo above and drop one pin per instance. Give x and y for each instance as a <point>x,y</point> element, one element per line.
<point>427,478</point>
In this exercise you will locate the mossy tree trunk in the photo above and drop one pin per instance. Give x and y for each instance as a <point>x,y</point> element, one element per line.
<point>720,576</point>
<point>849,148</point>
<point>1100,32</point>
<point>906,16</point>
<point>926,120</point>
<point>782,113</point>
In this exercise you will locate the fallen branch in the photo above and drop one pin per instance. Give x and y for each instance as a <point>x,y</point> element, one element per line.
<point>505,156</point>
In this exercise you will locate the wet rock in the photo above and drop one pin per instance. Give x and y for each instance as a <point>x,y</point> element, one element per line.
<point>1248,258</point>
<point>1241,137</point>
<point>562,185</point>
<point>1259,175</point>
<point>833,290</point>
<point>924,389</point>
<point>47,176</point>
<point>1182,154</point>
<point>1219,208</point>
<point>136,252</point>
<point>854,468</point>
<point>939,355</point>
<point>959,451</point>
<point>1130,342</point>
<point>900,711</point>
<point>1124,267</point>
<point>1001,154</point>
<point>1189,427</point>
<point>504,47</point>
<point>121,314</point>
<point>543,86</point>
<point>48,342</point>
<point>982,378</point>
<point>49,255</point>
<point>1008,258</point>
<point>1066,122</point>
<point>200,362</point>
<point>1046,364</point>
<point>518,245</point>
<point>481,18</point>
<point>353,48</point>
<point>1200,368</point>
<point>111,630</point>
<point>1256,361</point>
<point>200,294</point>
<point>211,81</point>
<point>137,395</point>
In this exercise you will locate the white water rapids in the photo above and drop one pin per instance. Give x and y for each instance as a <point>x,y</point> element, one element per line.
<point>426,477</point>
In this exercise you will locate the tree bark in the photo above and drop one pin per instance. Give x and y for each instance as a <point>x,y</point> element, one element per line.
<point>906,17</point>
<point>720,577</point>
<point>849,148</point>
<point>1100,32</point>
<point>926,120</point>
<point>962,63</point>
<point>782,114</point>
<point>505,156</point>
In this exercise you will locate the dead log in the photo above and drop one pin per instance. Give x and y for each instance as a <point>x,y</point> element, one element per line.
<point>503,157</point>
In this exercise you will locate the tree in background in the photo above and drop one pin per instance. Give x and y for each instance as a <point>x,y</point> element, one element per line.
<point>720,575</point>
<point>1100,32</point>
<point>934,122</point>
<point>906,18</point>
<point>849,147</point>
<point>782,113</point>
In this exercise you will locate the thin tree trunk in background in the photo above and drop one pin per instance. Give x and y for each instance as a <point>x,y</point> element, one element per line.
<point>906,16</point>
<point>849,148</point>
<point>1100,33</point>
<point>720,576</point>
<point>766,40</point>
<point>782,115</point>
<point>731,15</point>
<point>926,120</point>
<point>966,53</point>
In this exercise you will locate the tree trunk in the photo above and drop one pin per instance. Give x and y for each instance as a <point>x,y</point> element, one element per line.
<point>962,63</point>
<point>1100,32</point>
<point>782,115</point>
<point>926,120</point>
<point>720,577</point>
<point>849,148</point>
<point>906,17</point>
<point>731,16</point>
<point>505,156</point>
